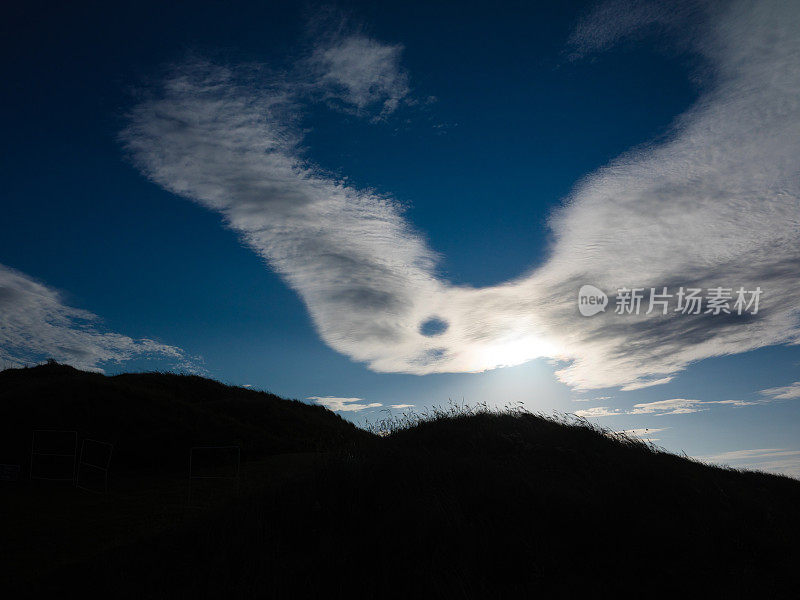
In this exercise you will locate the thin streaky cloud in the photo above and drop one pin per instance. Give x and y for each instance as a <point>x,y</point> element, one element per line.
<point>597,399</point>
<point>758,452</point>
<point>599,411</point>
<point>673,406</point>
<point>343,404</point>
<point>645,433</point>
<point>611,22</point>
<point>783,461</point>
<point>788,392</point>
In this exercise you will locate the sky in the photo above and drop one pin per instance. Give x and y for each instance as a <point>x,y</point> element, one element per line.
<point>383,207</point>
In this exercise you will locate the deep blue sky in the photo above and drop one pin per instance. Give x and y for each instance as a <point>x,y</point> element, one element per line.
<point>513,128</point>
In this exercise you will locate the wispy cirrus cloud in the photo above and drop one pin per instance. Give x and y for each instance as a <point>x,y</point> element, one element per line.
<point>597,399</point>
<point>783,461</point>
<point>643,433</point>
<point>610,22</point>
<point>715,203</point>
<point>35,324</point>
<point>673,406</point>
<point>788,392</point>
<point>681,406</point>
<point>599,411</point>
<point>356,73</point>
<point>343,404</point>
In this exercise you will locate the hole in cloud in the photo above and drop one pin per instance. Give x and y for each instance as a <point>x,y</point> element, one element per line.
<point>433,326</point>
<point>713,204</point>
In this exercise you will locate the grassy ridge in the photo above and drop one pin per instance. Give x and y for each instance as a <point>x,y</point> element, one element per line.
<point>153,418</point>
<point>472,505</point>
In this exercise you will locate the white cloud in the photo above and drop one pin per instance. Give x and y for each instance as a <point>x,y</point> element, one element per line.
<point>35,324</point>
<point>359,72</point>
<point>775,460</point>
<point>614,20</point>
<point>715,203</point>
<point>401,406</point>
<point>638,385</point>
<point>343,404</point>
<point>789,392</point>
<point>599,411</point>
<point>596,399</point>
<point>643,433</point>
<point>673,406</point>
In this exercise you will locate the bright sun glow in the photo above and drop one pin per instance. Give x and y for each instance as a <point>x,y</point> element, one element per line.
<point>511,352</point>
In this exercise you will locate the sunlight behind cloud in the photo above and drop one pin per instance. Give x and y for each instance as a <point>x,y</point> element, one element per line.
<point>715,203</point>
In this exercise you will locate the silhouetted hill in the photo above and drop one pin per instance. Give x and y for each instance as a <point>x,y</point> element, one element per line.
<point>479,505</point>
<point>153,418</point>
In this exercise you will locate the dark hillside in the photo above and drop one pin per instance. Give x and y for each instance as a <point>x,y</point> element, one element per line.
<point>153,418</point>
<point>483,506</point>
<point>479,505</point>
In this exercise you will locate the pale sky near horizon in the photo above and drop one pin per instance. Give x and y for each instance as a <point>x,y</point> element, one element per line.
<point>384,207</point>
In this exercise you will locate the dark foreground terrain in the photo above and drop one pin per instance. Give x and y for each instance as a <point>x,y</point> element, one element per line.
<point>462,505</point>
